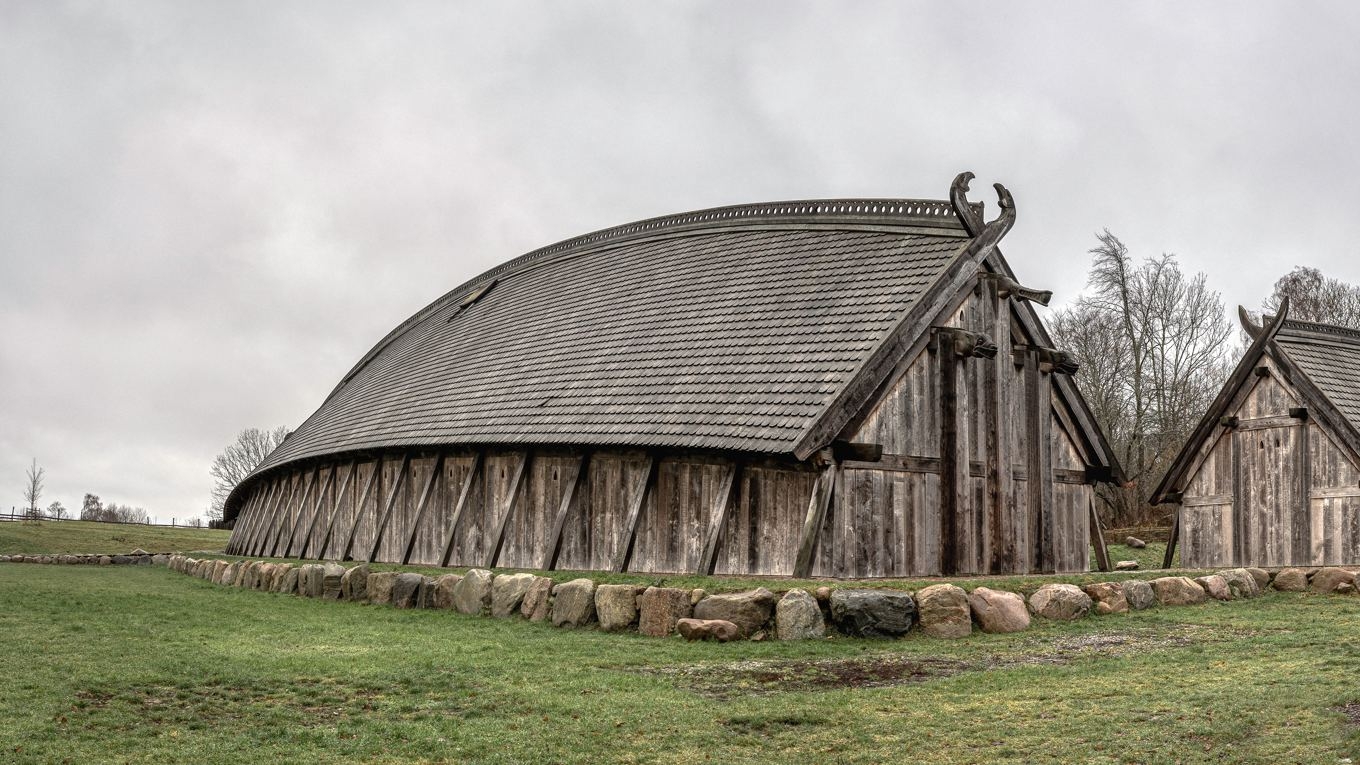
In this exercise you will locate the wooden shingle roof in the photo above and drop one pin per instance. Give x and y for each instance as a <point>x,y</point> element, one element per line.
<point>724,329</point>
<point>1330,356</point>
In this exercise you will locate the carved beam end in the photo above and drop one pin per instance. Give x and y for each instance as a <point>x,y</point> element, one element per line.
<point>958,197</point>
<point>964,344</point>
<point>1007,287</point>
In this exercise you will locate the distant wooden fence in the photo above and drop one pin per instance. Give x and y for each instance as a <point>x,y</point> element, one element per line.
<point>26,517</point>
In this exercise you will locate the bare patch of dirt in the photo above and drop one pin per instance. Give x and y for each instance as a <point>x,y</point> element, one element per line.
<point>1351,711</point>
<point>762,677</point>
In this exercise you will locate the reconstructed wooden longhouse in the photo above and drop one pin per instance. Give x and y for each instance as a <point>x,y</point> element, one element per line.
<point>793,388</point>
<point>1271,477</point>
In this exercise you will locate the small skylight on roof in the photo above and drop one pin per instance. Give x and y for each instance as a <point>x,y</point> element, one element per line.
<point>472,297</point>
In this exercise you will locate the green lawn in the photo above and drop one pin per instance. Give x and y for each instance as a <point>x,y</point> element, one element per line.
<point>45,537</point>
<point>140,664</point>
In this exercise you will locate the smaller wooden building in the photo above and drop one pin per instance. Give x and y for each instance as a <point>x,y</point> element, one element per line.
<point>1271,477</point>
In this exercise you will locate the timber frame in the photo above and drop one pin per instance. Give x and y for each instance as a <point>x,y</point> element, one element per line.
<point>955,444</point>
<point>1271,475</point>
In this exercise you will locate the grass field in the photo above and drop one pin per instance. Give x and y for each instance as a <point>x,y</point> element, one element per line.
<point>139,664</point>
<point>46,537</point>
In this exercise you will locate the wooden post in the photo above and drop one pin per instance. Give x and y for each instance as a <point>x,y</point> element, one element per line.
<point>247,520</point>
<point>316,513</point>
<point>822,494</point>
<point>625,551</point>
<point>1000,502</point>
<point>1098,536</point>
<point>335,511</point>
<point>564,509</point>
<point>359,507</point>
<point>288,521</point>
<point>1171,543</point>
<point>1302,539</point>
<point>953,470</point>
<point>724,498</point>
<point>463,496</point>
<point>507,509</point>
<point>1039,467</point>
<point>281,484</point>
<point>420,507</point>
<point>391,503</point>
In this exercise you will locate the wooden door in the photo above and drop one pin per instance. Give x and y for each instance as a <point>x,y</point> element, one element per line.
<point>1271,502</point>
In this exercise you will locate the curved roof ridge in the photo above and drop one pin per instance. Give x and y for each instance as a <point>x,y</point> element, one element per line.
<point>907,213</point>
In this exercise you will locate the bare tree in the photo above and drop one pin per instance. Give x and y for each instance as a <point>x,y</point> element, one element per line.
<point>91,509</point>
<point>237,461</point>
<point>56,510</point>
<point>1314,297</point>
<point>33,489</point>
<point>1150,340</point>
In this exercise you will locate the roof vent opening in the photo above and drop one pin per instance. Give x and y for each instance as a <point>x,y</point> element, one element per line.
<point>473,297</point>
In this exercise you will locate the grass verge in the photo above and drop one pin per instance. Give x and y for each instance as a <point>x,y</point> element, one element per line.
<point>137,664</point>
<point>57,537</point>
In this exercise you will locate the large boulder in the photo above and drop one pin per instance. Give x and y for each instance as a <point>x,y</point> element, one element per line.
<point>1241,582</point>
<point>276,579</point>
<point>472,593</point>
<point>749,610</point>
<point>872,613</point>
<point>1332,579</point>
<point>221,572</point>
<point>1139,594</point>
<point>943,611</point>
<point>659,608</point>
<point>1135,543</point>
<point>1107,598</point>
<point>332,581</point>
<point>1261,576</point>
<point>380,586</point>
<point>443,590</point>
<point>1215,586</point>
<point>616,606</point>
<point>309,580</point>
<point>574,603</point>
<point>288,583</point>
<point>797,616</point>
<point>708,629</point>
<point>507,593</point>
<point>1127,565</point>
<point>997,611</point>
<point>406,591</point>
<point>354,583</point>
<point>1060,602</point>
<point>1178,591</point>
<point>537,604</point>
<point>1291,580</point>
<point>158,559</point>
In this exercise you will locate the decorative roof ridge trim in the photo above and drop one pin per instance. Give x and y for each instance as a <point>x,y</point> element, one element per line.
<point>1322,329</point>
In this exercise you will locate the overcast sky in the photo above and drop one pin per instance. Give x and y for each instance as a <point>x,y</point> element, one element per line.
<point>210,211</point>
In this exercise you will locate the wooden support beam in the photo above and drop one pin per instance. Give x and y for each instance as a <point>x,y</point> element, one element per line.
<point>287,521</point>
<point>283,483</point>
<point>359,508</point>
<point>464,495</point>
<point>249,517</point>
<point>1098,536</point>
<point>728,490</point>
<point>335,509</point>
<point>953,470</point>
<point>296,482</point>
<point>397,486</point>
<point>822,493</point>
<point>507,509</point>
<point>1171,542</point>
<point>1000,503</point>
<point>285,543</point>
<point>1301,532</point>
<point>316,513</point>
<point>625,551</point>
<point>1039,459</point>
<point>244,518</point>
<point>564,508</point>
<point>421,504</point>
